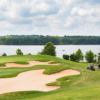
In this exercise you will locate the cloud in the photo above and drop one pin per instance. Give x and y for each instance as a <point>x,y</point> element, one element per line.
<point>50,16</point>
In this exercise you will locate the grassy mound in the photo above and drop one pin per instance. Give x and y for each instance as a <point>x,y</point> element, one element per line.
<point>21,62</point>
<point>2,64</point>
<point>85,86</point>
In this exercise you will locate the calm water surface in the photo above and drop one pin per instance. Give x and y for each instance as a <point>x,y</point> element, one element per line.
<point>60,49</point>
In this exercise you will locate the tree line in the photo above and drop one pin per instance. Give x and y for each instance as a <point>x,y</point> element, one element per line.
<point>41,40</point>
<point>77,56</point>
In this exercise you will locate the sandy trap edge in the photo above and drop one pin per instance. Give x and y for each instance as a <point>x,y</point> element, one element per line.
<point>31,63</point>
<point>33,80</point>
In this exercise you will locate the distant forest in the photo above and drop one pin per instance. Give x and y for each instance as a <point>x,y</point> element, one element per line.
<point>41,40</point>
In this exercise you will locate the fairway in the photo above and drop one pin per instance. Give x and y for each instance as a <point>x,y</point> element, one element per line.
<point>82,86</point>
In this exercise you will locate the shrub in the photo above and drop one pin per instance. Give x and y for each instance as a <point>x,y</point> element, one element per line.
<point>66,57</point>
<point>73,57</point>
<point>4,54</point>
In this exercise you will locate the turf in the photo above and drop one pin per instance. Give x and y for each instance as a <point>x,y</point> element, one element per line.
<point>85,86</point>
<point>2,64</point>
<point>21,62</point>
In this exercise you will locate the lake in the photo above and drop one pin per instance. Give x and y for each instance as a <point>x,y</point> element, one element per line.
<point>60,49</point>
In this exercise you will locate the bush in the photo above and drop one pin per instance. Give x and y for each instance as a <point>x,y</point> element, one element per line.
<point>19,52</point>
<point>49,49</point>
<point>4,54</point>
<point>66,57</point>
<point>73,57</point>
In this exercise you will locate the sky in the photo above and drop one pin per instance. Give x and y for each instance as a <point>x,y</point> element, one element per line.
<point>50,17</point>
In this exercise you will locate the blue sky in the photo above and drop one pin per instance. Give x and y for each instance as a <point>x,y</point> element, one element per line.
<point>50,17</point>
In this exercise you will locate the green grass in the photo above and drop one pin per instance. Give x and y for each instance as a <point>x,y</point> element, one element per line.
<point>53,69</point>
<point>2,64</point>
<point>11,72</point>
<point>21,62</point>
<point>85,86</point>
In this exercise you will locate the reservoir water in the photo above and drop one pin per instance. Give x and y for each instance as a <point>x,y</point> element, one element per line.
<point>60,49</point>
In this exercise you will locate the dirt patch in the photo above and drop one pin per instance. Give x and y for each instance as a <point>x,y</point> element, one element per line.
<point>32,80</point>
<point>30,64</point>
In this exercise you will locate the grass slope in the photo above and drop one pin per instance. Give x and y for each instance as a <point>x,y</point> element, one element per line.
<point>85,86</point>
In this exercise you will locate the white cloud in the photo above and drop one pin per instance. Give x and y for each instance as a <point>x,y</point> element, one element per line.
<point>50,16</point>
<point>40,7</point>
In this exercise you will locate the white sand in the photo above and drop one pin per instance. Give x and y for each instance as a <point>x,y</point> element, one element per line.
<point>31,63</point>
<point>32,80</point>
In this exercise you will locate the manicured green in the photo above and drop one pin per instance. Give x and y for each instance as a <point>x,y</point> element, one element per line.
<point>85,86</point>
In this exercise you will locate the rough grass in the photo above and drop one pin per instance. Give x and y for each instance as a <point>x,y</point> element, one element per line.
<point>21,62</point>
<point>11,72</point>
<point>85,86</point>
<point>53,69</point>
<point>2,64</point>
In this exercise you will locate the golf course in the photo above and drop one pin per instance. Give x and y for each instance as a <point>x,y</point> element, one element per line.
<point>25,77</point>
<point>49,49</point>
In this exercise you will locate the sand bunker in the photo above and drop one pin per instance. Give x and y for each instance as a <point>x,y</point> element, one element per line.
<point>31,63</point>
<point>32,80</point>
